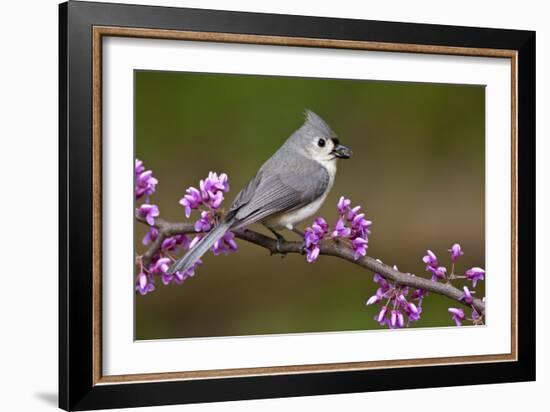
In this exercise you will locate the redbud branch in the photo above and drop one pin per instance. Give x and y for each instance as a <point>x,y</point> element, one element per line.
<point>167,229</point>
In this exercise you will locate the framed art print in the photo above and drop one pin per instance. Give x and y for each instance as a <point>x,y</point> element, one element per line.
<point>259,205</point>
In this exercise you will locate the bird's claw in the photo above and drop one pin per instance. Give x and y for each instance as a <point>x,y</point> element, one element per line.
<point>279,248</point>
<point>279,244</point>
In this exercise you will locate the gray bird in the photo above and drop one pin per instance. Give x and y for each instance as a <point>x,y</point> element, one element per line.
<point>289,187</point>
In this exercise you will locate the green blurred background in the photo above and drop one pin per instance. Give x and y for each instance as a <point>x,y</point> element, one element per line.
<point>417,170</point>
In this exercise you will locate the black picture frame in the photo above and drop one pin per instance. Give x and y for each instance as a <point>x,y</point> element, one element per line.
<point>77,390</point>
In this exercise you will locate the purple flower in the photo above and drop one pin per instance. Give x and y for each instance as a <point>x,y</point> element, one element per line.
<point>225,245</point>
<point>149,213</point>
<point>474,274</point>
<point>311,241</point>
<point>437,272</point>
<point>151,236</point>
<point>316,232</point>
<point>413,312</point>
<point>139,168</point>
<point>145,184</point>
<point>160,266</point>
<point>380,318</point>
<point>430,259</point>
<point>312,254</point>
<point>373,299</point>
<point>384,284</point>
<point>359,246</point>
<point>419,294</point>
<point>168,278</point>
<point>396,296</point>
<point>350,225</point>
<point>209,194</point>
<point>401,300</point>
<point>352,213</point>
<point>169,243</point>
<point>179,277</point>
<point>320,226</point>
<point>204,223</point>
<point>214,183</point>
<point>340,229</point>
<point>216,200</point>
<point>312,238</point>
<point>144,284</point>
<point>400,320</point>
<point>457,315</point>
<point>456,252</point>
<point>195,241</point>
<point>191,271</point>
<point>396,319</point>
<point>343,205</point>
<point>182,240</point>
<point>377,297</point>
<point>212,188</point>
<point>467,297</point>
<point>476,317</point>
<point>361,225</point>
<point>191,201</point>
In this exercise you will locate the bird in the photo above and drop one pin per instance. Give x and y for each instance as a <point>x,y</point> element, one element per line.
<point>288,188</point>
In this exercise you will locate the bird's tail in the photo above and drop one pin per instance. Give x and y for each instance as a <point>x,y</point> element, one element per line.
<point>200,248</point>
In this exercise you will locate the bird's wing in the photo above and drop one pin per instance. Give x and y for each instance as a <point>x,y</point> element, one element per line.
<point>275,193</point>
<point>246,194</point>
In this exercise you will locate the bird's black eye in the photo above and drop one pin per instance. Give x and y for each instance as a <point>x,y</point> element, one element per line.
<point>321,143</point>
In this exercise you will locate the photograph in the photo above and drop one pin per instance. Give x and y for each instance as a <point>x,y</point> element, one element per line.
<point>262,205</point>
<point>288,205</point>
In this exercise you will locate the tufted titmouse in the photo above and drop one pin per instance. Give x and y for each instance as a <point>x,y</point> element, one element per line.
<point>289,187</point>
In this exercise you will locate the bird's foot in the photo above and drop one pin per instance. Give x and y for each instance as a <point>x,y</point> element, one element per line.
<point>279,244</point>
<point>279,247</point>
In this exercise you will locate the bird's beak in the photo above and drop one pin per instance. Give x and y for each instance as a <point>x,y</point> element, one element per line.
<point>342,151</point>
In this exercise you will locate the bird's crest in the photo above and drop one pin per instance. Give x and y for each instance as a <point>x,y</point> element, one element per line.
<point>316,123</point>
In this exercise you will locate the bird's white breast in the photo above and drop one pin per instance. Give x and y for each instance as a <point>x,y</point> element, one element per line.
<point>288,220</point>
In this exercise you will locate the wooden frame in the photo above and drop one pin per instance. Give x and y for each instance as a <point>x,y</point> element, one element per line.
<point>82,27</point>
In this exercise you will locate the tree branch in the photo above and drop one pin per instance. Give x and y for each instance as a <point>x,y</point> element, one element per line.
<point>167,229</point>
